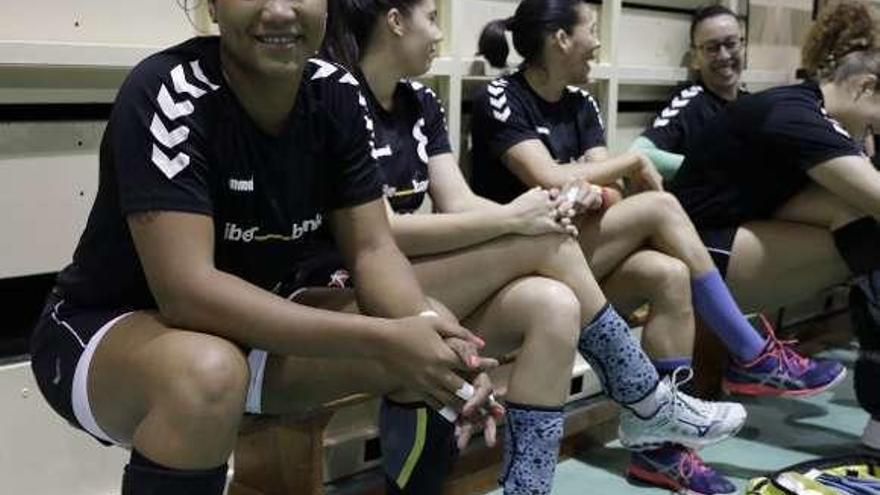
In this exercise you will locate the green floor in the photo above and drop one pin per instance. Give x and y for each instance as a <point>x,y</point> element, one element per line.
<point>779,432</point>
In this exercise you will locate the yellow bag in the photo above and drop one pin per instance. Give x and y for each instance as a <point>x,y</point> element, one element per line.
<point>782,482</point>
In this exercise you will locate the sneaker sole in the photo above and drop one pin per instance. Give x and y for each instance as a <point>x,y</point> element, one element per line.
<point>760,390</point>
<point>689,442</point>
<point>640,475</point>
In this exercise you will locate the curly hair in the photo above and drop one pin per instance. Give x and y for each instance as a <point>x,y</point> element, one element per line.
<point>841,42</point>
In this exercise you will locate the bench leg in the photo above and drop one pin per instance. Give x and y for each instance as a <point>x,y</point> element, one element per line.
<point>710,360</point>
<point>284,457</point>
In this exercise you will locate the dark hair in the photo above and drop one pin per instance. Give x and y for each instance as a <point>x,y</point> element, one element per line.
<point>350,24</point>
<point>533,20</point>
<point>708,12</point>
<point>841,43</point>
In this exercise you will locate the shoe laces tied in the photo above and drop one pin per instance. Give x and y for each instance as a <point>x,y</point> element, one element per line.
<point>783,350</point>
<point>680,377</point>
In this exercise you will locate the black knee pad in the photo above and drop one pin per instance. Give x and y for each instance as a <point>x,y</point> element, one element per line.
<point>867,371</point>
<point>145,477</point>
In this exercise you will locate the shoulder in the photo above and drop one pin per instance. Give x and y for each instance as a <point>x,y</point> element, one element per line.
<point>685,98</point>
<point>175,79</point>
<point>425,96</point>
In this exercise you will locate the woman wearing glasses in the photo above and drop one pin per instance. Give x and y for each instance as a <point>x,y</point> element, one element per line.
<point>534,128</point>
<point>717,60</point>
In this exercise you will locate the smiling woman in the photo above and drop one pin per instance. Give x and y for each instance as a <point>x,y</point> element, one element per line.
<point>221,159</point>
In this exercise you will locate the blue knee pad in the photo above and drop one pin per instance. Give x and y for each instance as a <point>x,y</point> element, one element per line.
<point>626,373</point>
<point>531,449</point>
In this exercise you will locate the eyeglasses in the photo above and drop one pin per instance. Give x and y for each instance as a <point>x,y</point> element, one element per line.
<point>713,48</point>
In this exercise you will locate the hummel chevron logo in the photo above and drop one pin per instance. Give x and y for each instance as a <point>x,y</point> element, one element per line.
<point>691,92</point>
<point>168,166</point>
<point>416,85</point>
<point>661,122</point>
<point>166,138</point>
<point>326,69</point>
<point>495,90</point>
<point>668,113</point>
<point>349,79</point>
<point>181,85</point>
<point>172,109</point>
<point>543,130</point>
<point>200,75</point>
<point>503,115</point>
<point>679,103</point>
<point>498,103</point>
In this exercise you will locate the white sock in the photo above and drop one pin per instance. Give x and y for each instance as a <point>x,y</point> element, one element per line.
<point>649,406</point>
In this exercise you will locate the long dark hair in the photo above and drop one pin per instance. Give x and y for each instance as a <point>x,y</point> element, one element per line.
<point>533,20</point>
<point>350,24</point>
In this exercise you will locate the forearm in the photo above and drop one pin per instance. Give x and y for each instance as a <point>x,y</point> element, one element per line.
<point>419,235</point>
<point>667,163</point>
<point>386,284</point>
<point>227,306</point>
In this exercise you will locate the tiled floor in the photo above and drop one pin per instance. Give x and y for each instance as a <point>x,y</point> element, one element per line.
<point>779,432</point>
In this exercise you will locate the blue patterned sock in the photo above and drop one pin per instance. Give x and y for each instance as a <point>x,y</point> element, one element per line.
<point>531,449</point>
<point>626,373</point>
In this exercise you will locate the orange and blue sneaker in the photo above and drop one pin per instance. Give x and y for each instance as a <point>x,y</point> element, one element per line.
<point>780,371</point>
<point>679,469</point>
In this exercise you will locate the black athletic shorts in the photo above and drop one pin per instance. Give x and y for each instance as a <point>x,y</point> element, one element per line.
<point>719,242</point>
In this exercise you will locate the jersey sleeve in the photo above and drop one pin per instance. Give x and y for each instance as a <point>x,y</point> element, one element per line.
<point>593,127</point>
<point>156,140</point>
<point>356,177</point>
<point>505,117</point>
<point>809,136</point>
<point>667,130</point>
<point>435,129</point>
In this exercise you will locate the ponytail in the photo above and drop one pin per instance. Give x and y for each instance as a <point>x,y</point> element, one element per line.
<point>493,43</point>
<point>350,24</point>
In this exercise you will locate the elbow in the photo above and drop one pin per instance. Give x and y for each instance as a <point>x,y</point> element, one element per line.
<point>181,304</point>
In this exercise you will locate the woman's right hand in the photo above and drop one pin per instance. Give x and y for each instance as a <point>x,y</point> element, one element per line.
<point>644,175</point>
<point>426,354</point>
<point>534,212</point>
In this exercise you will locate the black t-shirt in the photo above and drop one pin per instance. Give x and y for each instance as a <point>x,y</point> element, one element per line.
<point>675,128</point>
<point>752,157</point>
<point>414,131</point>
<point>508,111</point>
<point>179,140</point>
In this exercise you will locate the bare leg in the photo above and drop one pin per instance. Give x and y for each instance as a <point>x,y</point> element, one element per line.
<point>650,276</point>
<point>777,262</point>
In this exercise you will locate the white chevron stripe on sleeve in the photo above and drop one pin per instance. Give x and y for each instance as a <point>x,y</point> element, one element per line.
<point>200,75</point>
<point>495,90</point>
<point>172,109</point>
<point>349,79</point>
<point>679,103</point>
<point>503,115</point>
<point>383,151</point>
<point>660,123</point>
<point>325,69</point>
<point>668,113</point>
<point>498,103</point>
<point>168,166</point>
<point>166,138</point>
<point>181,85</point>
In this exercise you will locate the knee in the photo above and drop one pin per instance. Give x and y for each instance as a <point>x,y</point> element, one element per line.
<point>668,276</point>
<point>214,380</point>
<point>666,207</point>
<point>555,312</point>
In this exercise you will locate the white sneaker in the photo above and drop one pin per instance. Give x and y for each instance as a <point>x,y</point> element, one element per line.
<point>871,435</point>
<point>681,419</point>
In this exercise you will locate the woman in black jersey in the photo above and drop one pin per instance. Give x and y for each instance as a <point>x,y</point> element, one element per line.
<point>780,182</point>
<point>717,59</point>
<point>512,272</point>
<point>223,159</point>
<point>534,127</point>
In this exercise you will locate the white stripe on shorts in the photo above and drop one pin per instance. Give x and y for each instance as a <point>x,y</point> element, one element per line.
<point>79,395</point>
<point>257,364</point>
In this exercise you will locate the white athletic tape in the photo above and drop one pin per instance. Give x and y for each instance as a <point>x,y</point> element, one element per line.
<point>572,194</point>
<point>465,392</point>
<point>448,414</point>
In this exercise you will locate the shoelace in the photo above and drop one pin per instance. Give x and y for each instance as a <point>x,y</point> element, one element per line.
<point>783,350</point>
<point>690,464</point>
<point>678,397</point>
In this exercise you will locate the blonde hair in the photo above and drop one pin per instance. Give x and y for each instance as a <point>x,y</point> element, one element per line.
<point>842,42</point>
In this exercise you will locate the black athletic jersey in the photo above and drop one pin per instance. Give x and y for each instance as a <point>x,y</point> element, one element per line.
<point>675,128</point>
<point>508,111</point>
<point>178,139</point>
<point>414,131</point>
<point>753,157</point>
